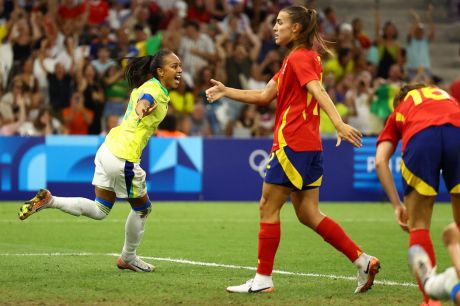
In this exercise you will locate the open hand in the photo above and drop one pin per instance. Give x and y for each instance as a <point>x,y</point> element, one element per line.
<point>350,134</point>
<point>216,92</point>
<point>402,217</point>
<point>145,109</point>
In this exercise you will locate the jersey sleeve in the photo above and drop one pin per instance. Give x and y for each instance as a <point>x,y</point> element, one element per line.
<point>390,132</point>
<point>276,77</point>
<point>306,68</point>
<point>149,93</point>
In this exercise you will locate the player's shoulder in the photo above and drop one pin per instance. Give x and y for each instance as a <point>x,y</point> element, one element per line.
<point>152,88</point>
<point>304,53</point>
<point>305,56</point>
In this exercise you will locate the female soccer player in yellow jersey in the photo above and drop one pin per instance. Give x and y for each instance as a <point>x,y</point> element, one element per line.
<point>118,173</point>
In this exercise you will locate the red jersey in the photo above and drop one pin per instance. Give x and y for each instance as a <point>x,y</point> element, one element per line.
<point>420,109</point>
<point>297,111</point>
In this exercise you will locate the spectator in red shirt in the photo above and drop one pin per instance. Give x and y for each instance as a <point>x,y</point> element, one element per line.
<point>76,117</point>
<point>98,11</point>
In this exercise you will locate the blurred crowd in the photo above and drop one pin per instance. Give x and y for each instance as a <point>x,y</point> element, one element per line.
<point>61,63</point>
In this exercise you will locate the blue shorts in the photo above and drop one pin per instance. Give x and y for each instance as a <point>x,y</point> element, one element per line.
<point>429,152</point>
<point>297,170</point>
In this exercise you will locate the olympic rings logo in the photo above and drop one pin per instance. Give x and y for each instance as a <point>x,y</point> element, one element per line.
<point>258,160</point>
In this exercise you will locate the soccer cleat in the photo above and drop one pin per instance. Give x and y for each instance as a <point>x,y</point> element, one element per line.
<point>136,265</point>
<point>420,264</point>
<point>366,276</point>
<point>37,203</point>
<point>252,287</point>
<point>431,303</point>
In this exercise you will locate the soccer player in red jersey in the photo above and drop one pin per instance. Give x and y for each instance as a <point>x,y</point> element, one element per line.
<point>427,120</point>
<point>445,285</point>
<point>295,166</point>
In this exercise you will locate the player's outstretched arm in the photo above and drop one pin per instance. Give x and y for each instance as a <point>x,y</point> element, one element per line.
<point>344,131</point>
<point>385,150</point>
<point>144,108</point>
<point>259,97</point>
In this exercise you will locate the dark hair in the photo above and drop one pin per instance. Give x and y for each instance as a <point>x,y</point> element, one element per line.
<point>404,91</point>
<point>169,123</point>
<point>141,69</point>
<point>38,124</point>
<point>307,18</point>
<point>386,25</point>
<point>192,23</point>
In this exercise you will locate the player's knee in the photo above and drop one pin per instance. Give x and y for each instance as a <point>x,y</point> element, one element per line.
<point>100,215</point>
<point>144,210</point>
<point>451,234</point>
<point>104,208</point>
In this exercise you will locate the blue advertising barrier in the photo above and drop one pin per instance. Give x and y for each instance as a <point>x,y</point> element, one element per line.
<point>184,168</point>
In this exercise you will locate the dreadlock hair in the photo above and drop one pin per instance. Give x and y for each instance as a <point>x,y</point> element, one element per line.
<point>404,91</point>
<point>141,69</point>
<point>307,19</point>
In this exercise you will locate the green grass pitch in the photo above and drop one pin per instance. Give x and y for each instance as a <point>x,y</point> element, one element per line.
<point>53,258</point>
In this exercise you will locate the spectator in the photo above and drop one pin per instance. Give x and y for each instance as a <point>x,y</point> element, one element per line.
<point>60,86</point>
<point>203,82</point>
<point>77,118</point>
<point>10,103</point>
<point>361,40</point>
<point>90,86</point>
<point>237,13</point>
<point>418,52</point>
<point>116,92</point>
<point>329,24</point>
<point>340,65</point>
<point>382,101</point>
<point>10,126</point>
<point>182,98</point>
<point>168,128</point>
<point>218,9</point>
<point>345,37</point>
<point>197,11</point>
<point>98,11</point>
<point>357,100</point>
<point>44,124</point>
<point>387,45</point>
<point>103,61</point>
<point>30,82</point>
<point>199,123</point>
<point>196,49</point>
<point>247,124</point>
<point>111,121</point>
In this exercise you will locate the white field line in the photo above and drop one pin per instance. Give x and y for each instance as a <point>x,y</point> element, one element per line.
<point>189,221</point>
<point>217,265</point>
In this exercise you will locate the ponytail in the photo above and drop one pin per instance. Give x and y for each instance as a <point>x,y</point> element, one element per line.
<point>141,69</point>
<point>138,71</point>
<point>308,19</point>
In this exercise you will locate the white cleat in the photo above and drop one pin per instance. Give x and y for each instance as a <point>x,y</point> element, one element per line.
<point>136,265</point>
<point>366,275</point>
<point>420,263</point>
<point>253,287</point>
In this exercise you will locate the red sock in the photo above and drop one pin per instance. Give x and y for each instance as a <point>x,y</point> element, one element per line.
<point>422,238</point>
<point>458,226</point>
<point>269,239</point>
<point>334,234</point>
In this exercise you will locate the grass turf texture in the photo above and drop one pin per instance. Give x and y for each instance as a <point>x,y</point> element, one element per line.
<point>223,233</point>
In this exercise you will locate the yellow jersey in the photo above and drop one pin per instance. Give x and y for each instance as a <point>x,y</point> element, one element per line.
<point>128,140</point>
